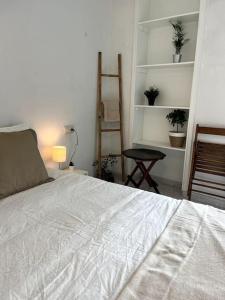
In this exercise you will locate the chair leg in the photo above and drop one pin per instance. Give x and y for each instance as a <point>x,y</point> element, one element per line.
<point>189,191</point>
<point>146,176</point>
<point>144,172</point>
<point>152,183</point>
<point>130,177</point>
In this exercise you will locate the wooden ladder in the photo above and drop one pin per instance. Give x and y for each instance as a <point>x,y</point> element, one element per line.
<point>100,116</point>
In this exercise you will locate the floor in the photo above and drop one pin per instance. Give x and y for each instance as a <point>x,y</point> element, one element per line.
<point>170,190</point>
<point>174,190</point>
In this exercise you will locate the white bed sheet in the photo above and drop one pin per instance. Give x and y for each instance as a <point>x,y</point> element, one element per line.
<point>77,238</point>
<point>187,262</point>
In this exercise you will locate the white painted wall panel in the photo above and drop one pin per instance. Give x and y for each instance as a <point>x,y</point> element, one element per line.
<point>48,67</point>
<point>210,108</point>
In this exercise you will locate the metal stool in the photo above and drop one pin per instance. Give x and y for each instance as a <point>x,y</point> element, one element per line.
<point>140,156</point>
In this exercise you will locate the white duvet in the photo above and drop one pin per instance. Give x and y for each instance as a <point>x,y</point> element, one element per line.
<point>77,238</point>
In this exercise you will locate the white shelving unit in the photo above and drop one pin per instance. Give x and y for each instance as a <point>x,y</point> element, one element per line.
<point>158,145</point>
<point>161,107</point>
<point>188,17</point>
<point>168,65</point>
<point>153,66</point>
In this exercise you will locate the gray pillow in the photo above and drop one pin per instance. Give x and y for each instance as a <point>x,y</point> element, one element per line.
<point>21,165</point>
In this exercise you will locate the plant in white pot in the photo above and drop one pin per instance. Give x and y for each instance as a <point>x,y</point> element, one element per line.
<point>177,118</point>
<point>178,40</point>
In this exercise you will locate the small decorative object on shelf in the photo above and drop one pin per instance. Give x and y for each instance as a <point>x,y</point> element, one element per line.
<point>107,163</point>
<point>178,40</point>
<point>177,118</point>
<point>152,93</point>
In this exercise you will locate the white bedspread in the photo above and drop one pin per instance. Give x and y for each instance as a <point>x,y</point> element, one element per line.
<point>77,238</point>
<point>187,262</point>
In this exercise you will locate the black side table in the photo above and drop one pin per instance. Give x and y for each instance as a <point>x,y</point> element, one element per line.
<point>140,156</point>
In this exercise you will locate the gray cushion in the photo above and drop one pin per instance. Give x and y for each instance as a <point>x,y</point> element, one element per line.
<point>21,165</point>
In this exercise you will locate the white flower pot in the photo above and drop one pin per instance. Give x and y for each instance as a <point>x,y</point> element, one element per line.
<point>177,58</point>
<point>177,139</point>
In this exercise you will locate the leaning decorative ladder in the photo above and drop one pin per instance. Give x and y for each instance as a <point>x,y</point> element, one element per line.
<point>100,116</point>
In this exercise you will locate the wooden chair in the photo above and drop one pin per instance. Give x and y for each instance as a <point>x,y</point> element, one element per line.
<point>209,160</point>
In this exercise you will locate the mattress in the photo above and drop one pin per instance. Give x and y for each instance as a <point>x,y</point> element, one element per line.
<point>77,238</point>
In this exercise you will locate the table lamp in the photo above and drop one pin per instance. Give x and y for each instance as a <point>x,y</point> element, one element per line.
<point>59,154</point>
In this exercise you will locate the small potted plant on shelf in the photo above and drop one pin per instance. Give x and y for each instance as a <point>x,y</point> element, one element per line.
<point>177,118</point>
<point>152,93</point>
<point>178,40</point>
<point>106,167</point>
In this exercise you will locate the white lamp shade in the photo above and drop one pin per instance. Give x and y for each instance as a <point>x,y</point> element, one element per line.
<point>59,154</point>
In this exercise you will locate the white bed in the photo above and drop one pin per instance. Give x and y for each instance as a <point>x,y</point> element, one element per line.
<point>80,238</point>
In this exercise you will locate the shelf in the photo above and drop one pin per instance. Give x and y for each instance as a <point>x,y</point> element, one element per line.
<point>161,107</point>
<point>168,65</point>
<point>158,145</point>
<point>188,17</point>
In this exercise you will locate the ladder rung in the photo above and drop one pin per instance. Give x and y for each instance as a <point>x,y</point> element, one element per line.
<point>112,155</point>
<point>110,130</point>
<point>110,75</point>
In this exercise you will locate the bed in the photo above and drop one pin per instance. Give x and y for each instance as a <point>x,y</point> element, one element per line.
<point>67,236</point>
<point>82,238</point>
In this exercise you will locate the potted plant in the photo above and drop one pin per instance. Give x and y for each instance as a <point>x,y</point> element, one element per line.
<point>106,167</point>
<point>178,40</point>
<point>152,93</point>
<point>177,118</point>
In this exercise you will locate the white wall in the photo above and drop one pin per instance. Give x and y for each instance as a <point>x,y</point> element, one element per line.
<point>122,36</point>
<point>210,108</point>
<point>48,59</point>
<point>48,65</point>
<point>210,94</point>
<point>122,42</point>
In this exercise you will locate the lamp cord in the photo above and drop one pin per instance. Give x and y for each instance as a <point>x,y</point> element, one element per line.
<point>74,131</point>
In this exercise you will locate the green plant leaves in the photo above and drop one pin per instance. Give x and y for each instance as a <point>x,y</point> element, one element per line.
<point>179,39</point>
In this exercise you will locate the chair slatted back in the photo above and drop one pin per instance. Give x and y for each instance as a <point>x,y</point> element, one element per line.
<point>208,159</point>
